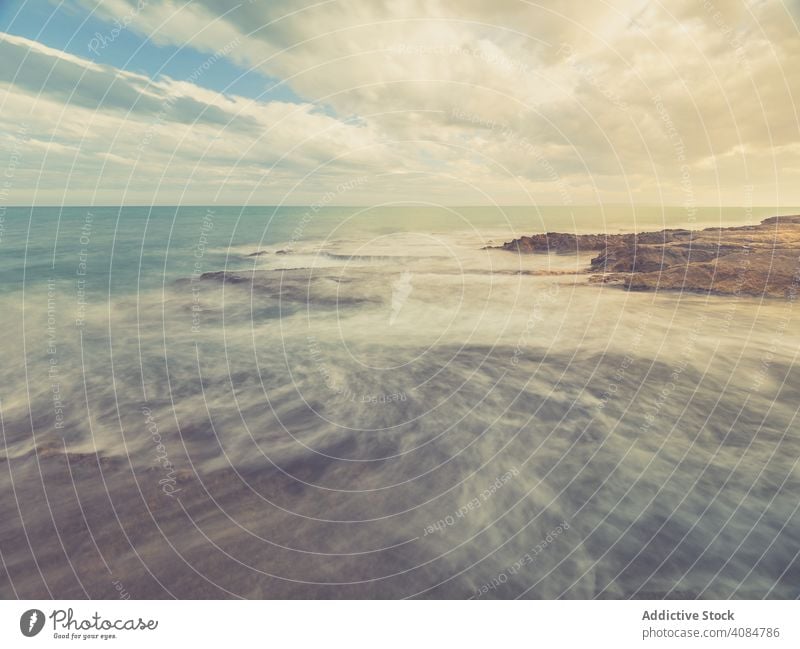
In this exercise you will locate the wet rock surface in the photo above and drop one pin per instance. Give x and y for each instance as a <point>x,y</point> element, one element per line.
<point>753,260</point>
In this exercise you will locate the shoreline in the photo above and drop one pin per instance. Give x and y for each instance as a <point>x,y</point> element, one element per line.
<point>761,260</point>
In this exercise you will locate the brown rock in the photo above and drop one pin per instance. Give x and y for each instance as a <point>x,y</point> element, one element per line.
<point>753,260</point>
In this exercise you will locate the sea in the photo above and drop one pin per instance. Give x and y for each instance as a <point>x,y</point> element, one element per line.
<point>373,402</point>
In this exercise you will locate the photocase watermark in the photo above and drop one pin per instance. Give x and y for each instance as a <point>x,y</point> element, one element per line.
<point>489,56</point>
<point>120,588</point>
<point>586,72</point>
<point>472,505</point>
<point>401,289</point>
<point>687,353</point>
<point>622,368</point>
<point>14,160</point>
<point>743,266</point>
<point>81,270</point>
<point>169,102</point>
<point>343,391</point>
<point>65,620</point>
<point>765,362</point>
<point>206,226</point>
<point>728,34</point>
<point>525,560</point>
<point>51,345</point>
<point>169,481</point>
<point>547,296</point>
<point>102,41</point>
<point>308,216</point>
<point>521,142</point>
<point>675,138</point>
<point>31,622</point>
<point>318,356</point>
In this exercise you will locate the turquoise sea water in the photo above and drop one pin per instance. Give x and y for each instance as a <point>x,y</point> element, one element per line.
<point>149,244</point>
<point>377,406</point>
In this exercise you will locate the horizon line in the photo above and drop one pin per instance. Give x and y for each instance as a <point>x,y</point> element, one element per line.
<point>533,206</point>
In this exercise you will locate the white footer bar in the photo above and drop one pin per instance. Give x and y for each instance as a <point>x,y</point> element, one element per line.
<point>390,624</point>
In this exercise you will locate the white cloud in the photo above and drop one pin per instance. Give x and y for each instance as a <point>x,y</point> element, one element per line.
<point>94,129</point>
<point>618,101</point>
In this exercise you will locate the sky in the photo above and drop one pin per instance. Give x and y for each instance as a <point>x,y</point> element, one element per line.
<point>686,102</point>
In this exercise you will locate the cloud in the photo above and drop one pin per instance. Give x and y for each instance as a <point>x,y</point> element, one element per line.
<point>92,128</point>
<point>618,101</point>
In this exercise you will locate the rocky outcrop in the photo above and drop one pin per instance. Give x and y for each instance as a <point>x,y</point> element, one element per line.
<point>755,260</point>
<point>756,273</point>
<point>648,258</point>
<point>558,242</point>
<point>564,243</point>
